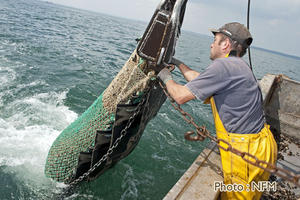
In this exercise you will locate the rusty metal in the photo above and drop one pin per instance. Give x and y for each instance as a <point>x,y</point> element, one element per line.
<point>203,133</point>
<point>197,137</point>
<point>171,67</point>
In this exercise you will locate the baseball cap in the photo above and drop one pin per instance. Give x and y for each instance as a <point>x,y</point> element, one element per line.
<point>237,32</point>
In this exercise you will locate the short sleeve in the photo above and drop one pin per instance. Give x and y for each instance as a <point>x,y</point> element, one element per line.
<point>209,82</point>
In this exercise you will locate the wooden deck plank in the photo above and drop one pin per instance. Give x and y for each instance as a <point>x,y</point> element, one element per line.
<point>198,181</point>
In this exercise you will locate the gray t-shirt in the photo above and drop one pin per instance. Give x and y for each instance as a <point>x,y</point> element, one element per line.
<point>235,90</point>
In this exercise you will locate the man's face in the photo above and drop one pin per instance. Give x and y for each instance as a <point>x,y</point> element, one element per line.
<point>216,47</point>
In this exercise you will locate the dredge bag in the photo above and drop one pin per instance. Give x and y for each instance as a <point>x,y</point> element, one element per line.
<point>111,127</point>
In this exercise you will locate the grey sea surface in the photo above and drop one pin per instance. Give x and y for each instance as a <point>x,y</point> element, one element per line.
<point>54,62</point>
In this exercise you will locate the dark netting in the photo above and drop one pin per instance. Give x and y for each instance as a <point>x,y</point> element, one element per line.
<point>79,137</point>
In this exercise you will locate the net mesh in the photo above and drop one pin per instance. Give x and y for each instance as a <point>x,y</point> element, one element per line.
<point>80,135</point>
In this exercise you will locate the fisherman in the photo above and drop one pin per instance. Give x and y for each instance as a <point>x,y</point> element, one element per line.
<point>236,101</point>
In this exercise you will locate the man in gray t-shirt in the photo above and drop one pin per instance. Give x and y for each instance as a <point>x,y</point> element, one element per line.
<point>228,79</point>
<point>236,94</point>
<point>236,104</point>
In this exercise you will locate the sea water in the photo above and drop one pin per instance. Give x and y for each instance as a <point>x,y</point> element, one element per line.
<point>54,62</point>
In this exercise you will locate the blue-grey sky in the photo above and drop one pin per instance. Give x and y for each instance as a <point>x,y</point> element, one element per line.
<point>274,24</point>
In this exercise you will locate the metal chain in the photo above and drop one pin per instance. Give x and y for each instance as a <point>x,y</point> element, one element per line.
<point>116,143</point>
<point>202,133</point>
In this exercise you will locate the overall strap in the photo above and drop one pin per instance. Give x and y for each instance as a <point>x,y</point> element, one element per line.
<point>218,123</point>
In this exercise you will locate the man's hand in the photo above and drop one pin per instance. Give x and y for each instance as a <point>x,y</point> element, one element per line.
<point>165,75</point>
<point>176,62</point>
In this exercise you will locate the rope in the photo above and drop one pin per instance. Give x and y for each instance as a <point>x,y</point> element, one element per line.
<point>248,14</point>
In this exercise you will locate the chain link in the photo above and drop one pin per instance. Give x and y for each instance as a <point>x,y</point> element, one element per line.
<point>116,143</point>
<point>203,133</point>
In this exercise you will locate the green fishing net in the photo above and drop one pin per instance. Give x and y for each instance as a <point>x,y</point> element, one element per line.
<point>79,136</point>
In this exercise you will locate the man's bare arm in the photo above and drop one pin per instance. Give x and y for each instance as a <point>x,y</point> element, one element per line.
<point>179,93</point>
<point>187,72</point>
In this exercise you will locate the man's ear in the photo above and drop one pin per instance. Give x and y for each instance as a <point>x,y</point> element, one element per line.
<point>225,44</point>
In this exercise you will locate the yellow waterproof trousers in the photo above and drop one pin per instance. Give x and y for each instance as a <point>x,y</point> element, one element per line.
<point>235,169</point>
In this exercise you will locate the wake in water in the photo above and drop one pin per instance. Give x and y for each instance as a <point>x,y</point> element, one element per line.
<point>28,126</point>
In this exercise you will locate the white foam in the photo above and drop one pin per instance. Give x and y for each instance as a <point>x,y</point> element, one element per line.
<point>29,130</point>
<point>28,146</point>
<point>7,75</point>
<point>42,109</point>
<point>129,183</point>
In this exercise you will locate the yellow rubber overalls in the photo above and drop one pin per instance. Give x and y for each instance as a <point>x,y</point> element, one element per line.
<point>235,169</point>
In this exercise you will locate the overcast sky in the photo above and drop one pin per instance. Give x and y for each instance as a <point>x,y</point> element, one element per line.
<point>274,24</point>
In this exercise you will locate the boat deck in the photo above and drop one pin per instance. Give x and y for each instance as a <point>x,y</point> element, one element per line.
<point>198,181</point>
<point>280,95</point>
